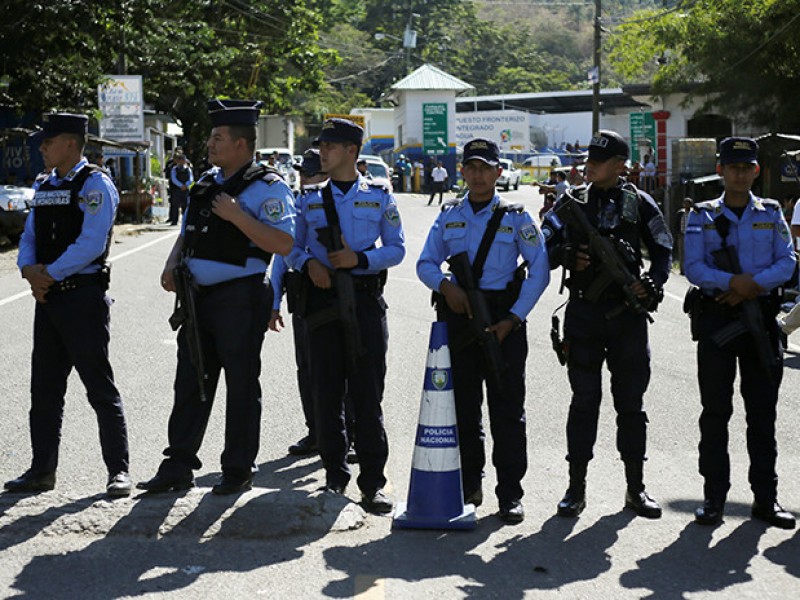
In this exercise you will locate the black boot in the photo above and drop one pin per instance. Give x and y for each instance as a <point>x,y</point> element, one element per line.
<point>574,501</point>
<point>635,497</point>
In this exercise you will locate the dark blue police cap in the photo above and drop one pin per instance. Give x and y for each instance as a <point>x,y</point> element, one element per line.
<point>54,124</point>
<point>340,130</point>
<point>482,149</point>
<point>234,112</point>
<point>607,144</point>
<point>311,164</point>
<point>738,150</point>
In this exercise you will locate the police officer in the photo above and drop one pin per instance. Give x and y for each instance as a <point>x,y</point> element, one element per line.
<point>340,360</point>
<point>753,230</point>
<point>181,179</point>
<point>63,254</point>
<point>311,176</point>
<point>601,324</point>
<point>461,227</point>
<point>239,213</point>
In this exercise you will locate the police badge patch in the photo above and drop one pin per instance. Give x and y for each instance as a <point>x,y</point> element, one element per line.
<point>392,215</point>
<point>783,229</point>
<point>93,202</point>
<point>273,209</point>
<point>529,235</point>
<point>439,378</point>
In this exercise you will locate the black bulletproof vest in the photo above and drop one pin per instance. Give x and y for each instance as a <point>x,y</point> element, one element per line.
<point>211,238</point>
<point>58,219</point>
<point>613,222</point>
<point>182,174</point>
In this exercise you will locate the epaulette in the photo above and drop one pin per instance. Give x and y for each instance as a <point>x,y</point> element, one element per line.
<point>380,186</point>
<point>771,202</point>
<point>707,205</point>
<point>512,206</point>
<point>452,203</point>
<point>264,172</point>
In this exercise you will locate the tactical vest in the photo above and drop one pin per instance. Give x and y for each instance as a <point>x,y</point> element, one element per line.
<point>182,174</point>
<point>211,238</point>
<point>58,218</point>
<point>624,229</point>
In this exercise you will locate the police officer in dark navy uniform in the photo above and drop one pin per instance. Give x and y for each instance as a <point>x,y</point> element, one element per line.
<point>461,227</point>
<point>754,231</point>
<point>348,355</point>
<point>311,177</point>
<point>239,213</point>
<point>63,254</point>
<point>604,326</point>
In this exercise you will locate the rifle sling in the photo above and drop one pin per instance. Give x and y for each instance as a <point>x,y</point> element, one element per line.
<point>330,211</point>
<point>486,242</point>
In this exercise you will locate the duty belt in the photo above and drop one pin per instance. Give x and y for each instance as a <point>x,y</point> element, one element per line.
<point>204,290</point>
<point>73,282</point>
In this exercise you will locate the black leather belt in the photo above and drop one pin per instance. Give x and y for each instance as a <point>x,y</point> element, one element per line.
<point>73,282</point>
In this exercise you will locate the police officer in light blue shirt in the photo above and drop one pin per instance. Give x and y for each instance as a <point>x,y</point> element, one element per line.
<point>348,354</point>
<point>181,179</point>
<point>754,231</point>
<point>238,214</point>
<point>63,254</point>
<point>461,227</point>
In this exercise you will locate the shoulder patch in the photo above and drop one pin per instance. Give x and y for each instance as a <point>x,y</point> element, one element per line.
<point>94,202</point>
<point>392,215</point>
<point>530,235</point>
<point>274,209</point>
<point>783,231</point>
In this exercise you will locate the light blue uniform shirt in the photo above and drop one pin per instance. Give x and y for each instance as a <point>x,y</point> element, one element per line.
<point>99,213</point>
<point>459,229</point>
<point>277,271</point>
<point>272,204</point>
<point>761,238</point>
<point>367,213</point>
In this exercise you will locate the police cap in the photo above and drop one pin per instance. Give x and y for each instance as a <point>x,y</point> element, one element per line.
<point>54,124</point>
<point>311,164</point>
<point>482,149</point>
<point>607,144</point>
<point>340,130</point>
<point>738,150</point>
<point>234,112</point>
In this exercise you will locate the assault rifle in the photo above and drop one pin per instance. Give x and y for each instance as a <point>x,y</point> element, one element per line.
<point>185,315</point>
<point>481,317</point>
<point>751,317</point>
<point>344,310</point>
<point>613,265</point>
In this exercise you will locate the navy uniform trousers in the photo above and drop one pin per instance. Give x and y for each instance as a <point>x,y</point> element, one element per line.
<point>304,382</point>
<point>72,330</point>
<point>716,372</point>
<point>506,409</point>
<point>233,318</point>
<point>330,384</point>
<point>621,341</point>
<point>303,378</point>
